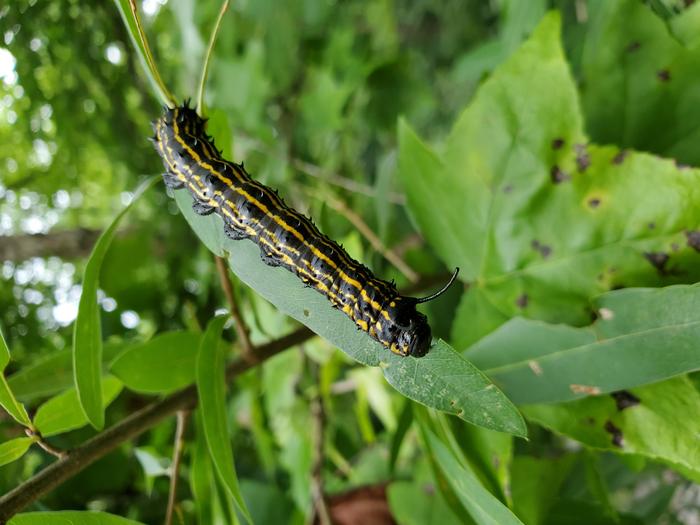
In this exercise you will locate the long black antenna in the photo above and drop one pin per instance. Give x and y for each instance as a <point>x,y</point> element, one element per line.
<point>441,291</point>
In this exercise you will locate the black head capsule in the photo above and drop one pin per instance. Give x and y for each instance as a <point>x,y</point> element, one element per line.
<point>413,336</point>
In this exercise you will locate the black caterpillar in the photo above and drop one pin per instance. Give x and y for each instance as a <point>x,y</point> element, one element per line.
<point>285,237</point>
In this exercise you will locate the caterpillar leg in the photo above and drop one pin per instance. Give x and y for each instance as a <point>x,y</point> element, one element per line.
<point>172,182</point>
<point>234,233</point>
<point>269,258</point>
<point>201,208</point>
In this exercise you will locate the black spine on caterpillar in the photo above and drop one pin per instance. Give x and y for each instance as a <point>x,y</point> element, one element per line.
<point>285,237</point>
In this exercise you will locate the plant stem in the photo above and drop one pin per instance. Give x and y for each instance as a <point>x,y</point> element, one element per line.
<point>178,448</point>
<point>239,324</point>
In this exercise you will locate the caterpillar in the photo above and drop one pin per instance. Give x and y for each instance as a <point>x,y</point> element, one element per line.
<point>285,237</point>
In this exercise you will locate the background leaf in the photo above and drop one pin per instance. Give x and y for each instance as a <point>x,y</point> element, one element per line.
<point>163,364</point>
<point>63,412</point>
<point>52,374</point>
<point>539,363</point>
<point>651,421</point>
<point>14,449</point>
<point>483,507</point>
<point>639,81</point>
<point>538,219</point>
<point>7,398</point>
<point>211,388</point>
<point>87,335</point>
<point>71,517</point>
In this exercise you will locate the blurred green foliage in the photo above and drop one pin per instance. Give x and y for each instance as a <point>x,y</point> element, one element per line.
<point>309,94</point>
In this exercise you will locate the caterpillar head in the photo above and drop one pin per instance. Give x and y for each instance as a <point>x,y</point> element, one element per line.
<point>413,336</point>
<point>411,329</point>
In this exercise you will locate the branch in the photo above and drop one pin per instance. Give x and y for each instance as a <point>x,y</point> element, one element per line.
<point>372,237</point>
<point>130,427</point>
<point>66,244</point>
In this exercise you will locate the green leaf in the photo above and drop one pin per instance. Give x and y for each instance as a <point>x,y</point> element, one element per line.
<point>482,506</point>
<point>530,475</point>
<point>538,220</point>
<point>416,504</point>
<point>404,423</point>
<point>290,420</point>
<point>201,474</point>
<point>685,26</point>
<point>52,374</point>
<point>651,421</point>
<point>133,26</point>
<point>642,80</point>
<point>14,449</point>
<point>7,398</point>
<point>63,412</point>
<point>446,381</point>
<point>268,503</point>
<point>87,335</point>
<point>70,517</point>
<point>211,387</point>
<point>642,336</point>
<point>442,379</point>
<point>165,363</point>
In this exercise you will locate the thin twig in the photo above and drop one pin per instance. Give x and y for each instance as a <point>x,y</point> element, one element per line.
<point>338,180</point>
<point>373,239</point>
<point>178,448</point>
<point>320,173</point>
<point>43,444</point>
<point>414,240</point>
<point>318,416</point>
<point>239,325</point>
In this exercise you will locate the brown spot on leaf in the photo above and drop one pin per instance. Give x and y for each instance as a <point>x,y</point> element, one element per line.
<point>617,438</point>
<point>606,314</point>
<point>633,46</point>
<point>557,143</point>
<point>521,302</point>
<point>658,260</point>
<point>593,202</point>
<point>624,399</point>
<point>583,158</point>
<point>507,188</point>
<point>545,250</point>
<point>693,239</point>
<point>306,313</point>
<point>619,158</point>
<point>664,75</point>
<point>651,225</point>
<point>535,367</point>
<point>557,175</point>
<point>584,389</point>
